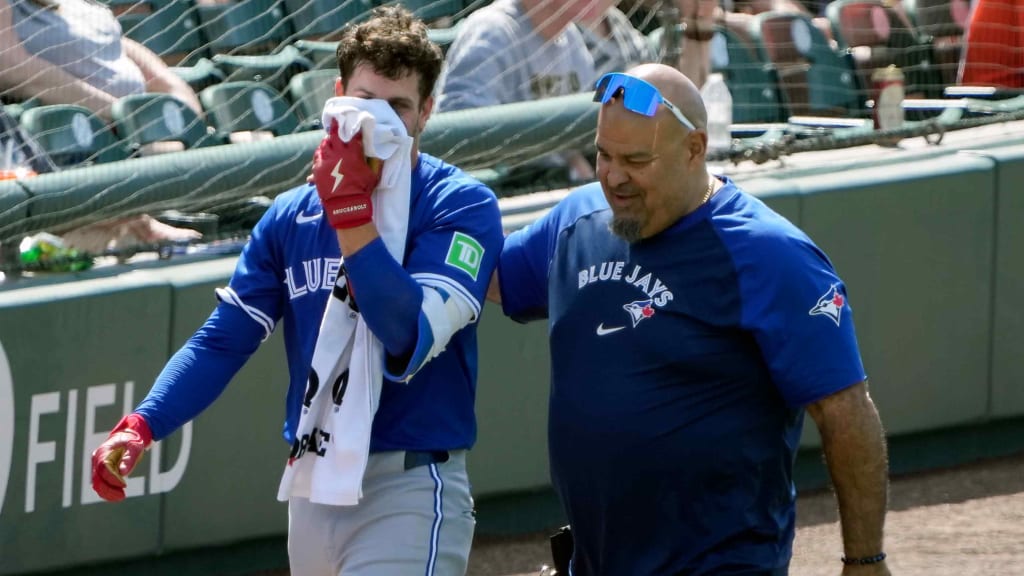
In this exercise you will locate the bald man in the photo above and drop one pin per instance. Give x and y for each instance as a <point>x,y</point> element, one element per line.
<point>690,329</point>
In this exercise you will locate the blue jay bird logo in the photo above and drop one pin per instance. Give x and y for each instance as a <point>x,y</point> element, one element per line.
<point>831,305</point>
<point>639,310</point>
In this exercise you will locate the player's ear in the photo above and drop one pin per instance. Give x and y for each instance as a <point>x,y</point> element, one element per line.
<point>339,87</point>
<point>427,109</point>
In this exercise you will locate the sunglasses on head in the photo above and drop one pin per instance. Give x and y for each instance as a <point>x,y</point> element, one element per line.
<point>637,96</point>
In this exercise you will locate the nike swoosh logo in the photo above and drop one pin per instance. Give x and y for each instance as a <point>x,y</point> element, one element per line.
<point>303,218</point>
<point>602,331</point>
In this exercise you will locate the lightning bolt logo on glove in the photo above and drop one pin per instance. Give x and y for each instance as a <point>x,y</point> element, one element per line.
<point>345,179</point>
<point>338,176</point>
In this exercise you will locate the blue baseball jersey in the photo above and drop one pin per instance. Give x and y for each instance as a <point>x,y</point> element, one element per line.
<point>287,271</point>
<point>680,366</point>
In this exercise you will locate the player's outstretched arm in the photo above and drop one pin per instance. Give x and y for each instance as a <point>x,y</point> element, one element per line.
<point>855,451</point>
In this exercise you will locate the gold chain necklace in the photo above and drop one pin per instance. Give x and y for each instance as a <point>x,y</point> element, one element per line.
<point>711,188</point>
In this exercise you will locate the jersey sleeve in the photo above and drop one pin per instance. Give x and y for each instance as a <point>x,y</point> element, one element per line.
<point>797,308</point>
<point>528,252</point>
<point>523,270</point>
<point>454,257</point>
<point>255,285</point>
<point>200,371</point>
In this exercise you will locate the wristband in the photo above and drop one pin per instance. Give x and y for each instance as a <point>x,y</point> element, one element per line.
<point>864,560</point>
<point>693,30</point>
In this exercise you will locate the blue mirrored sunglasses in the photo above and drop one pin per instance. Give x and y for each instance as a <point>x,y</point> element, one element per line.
<point>637,96</point>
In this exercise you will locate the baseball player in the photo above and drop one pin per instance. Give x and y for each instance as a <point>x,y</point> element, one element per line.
<point>691,327</point>
<point>319,241</point>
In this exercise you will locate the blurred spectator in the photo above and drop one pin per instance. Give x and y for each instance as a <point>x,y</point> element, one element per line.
<point>993,52</point>
<point>72,52</point>
<point>759,6</point>
<point>611,38</point>
<point>518,51</point>
<point>699,18</point>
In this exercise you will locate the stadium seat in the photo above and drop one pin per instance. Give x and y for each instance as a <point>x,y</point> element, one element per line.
<point>814,78</point>
<point>170,28</point>
<point>945,21</point>
<point>143,119</point>
<point>243,26</point>
<point>200,75</point>
<point>432,10</point>
<point>324,19</point>
<point>247,107</point>
<point>308,91</point>
<point>876,35</point>
<point>272,69</point>
<point>323,53</point>
<point>72,135</point>
<point>15,109</point>
<point>752,82</point>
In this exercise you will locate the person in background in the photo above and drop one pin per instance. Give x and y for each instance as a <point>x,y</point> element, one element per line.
<point>520,51</point>
<point>699,18</point>
<point>611,38</point>
<point>993,53</point>
<point>73,52</point>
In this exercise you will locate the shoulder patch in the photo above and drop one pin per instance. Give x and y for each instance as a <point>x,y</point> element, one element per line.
<point>466,254</point>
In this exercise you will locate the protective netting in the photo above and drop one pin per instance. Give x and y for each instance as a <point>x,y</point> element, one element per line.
<point>799,79</point>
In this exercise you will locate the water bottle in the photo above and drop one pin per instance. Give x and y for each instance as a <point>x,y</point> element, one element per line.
<point>718,102</point>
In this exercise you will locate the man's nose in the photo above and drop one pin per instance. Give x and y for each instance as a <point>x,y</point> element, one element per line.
<point>616,176</point>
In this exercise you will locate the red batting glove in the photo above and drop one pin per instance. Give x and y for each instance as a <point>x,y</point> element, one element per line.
<point>118,455</point>
<point>345,179</point>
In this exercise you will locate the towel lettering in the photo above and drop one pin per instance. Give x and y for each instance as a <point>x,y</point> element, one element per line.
<point>316,441</point>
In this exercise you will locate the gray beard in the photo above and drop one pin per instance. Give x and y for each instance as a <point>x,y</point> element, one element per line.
<point>626,228</point>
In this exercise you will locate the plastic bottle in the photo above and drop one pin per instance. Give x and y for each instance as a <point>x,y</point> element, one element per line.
<point>718,102</point>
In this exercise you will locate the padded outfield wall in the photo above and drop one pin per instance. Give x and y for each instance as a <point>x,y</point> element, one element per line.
<point>929,247</point>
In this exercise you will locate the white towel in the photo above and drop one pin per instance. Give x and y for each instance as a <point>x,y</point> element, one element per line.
<point>333,436</point>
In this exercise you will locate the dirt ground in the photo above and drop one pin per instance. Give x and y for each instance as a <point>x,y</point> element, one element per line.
<point>965,521</point>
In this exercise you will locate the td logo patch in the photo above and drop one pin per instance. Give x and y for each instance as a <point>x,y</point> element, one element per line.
<point>466,254</point>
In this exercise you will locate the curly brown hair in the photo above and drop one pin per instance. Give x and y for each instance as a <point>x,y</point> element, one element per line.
<point>394,43</point>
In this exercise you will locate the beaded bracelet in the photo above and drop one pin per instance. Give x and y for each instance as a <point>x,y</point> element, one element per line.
<point>864,560</point>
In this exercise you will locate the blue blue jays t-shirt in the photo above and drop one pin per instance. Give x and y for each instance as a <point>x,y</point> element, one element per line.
<point>680,366</point>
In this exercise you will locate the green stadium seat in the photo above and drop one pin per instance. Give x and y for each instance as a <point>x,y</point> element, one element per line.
<point>200,75</point>
<point>72,135</point>
<point>247,106</point>
<point>877,36</point>
<point>324,19</point>
<point>814,78</point>
<point>170,28</point>
<point>142,119</point>
<point>243,26</point>
<point>272,69</point>
<point>308,91</point>
<point>323,53</point>
<point>752,82</point>
<point>431,10</point>
<point>15,109</point>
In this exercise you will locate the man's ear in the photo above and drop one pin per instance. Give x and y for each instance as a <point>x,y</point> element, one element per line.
<point>697,145</point>
<point>339,87</point>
